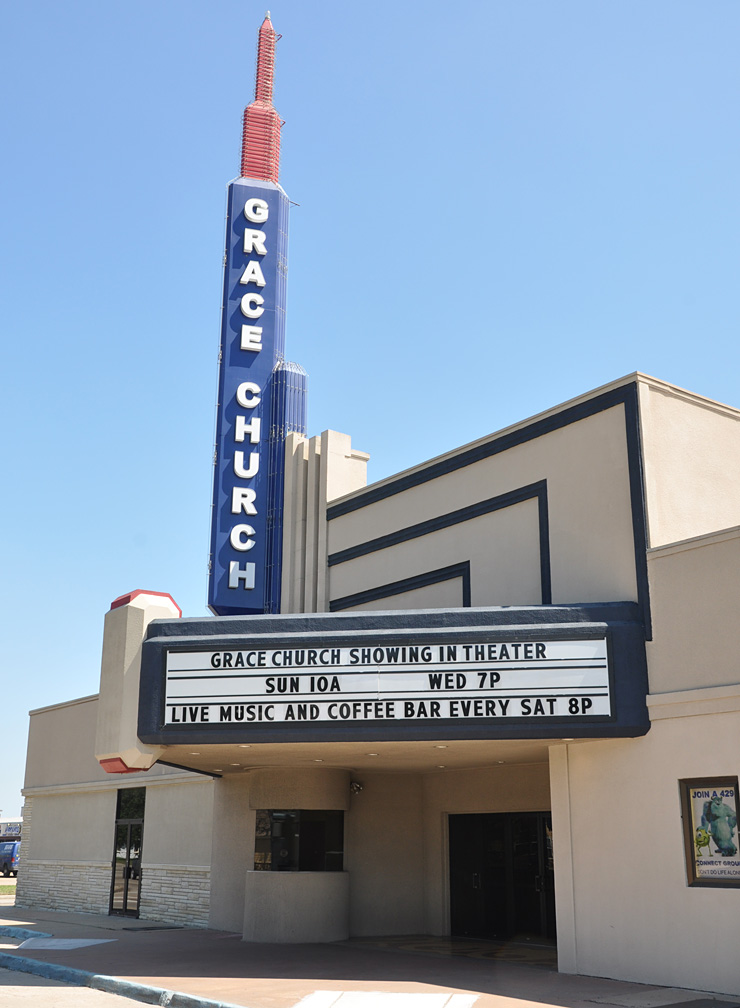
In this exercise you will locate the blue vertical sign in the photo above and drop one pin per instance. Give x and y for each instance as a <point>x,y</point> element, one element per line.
<point>252,344</point>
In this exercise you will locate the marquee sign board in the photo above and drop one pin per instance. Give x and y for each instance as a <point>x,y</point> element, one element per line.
<point>539,672</point>
<point>427,680</point>
<point>252,342</point>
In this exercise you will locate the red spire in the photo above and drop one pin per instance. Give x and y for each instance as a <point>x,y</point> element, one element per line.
<point>261,135</point>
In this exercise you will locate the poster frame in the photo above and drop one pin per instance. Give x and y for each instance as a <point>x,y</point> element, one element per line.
<point>720,782</point>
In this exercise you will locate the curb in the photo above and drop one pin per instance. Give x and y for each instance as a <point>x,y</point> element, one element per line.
<point>24,933</point>
<point>111,985</point>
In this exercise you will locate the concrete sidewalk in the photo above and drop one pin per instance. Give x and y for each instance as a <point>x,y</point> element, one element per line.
<point>190,968</point>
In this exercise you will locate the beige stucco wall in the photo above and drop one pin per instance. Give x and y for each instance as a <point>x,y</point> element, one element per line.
<point>591,538</point>
<point>624,907</point>
<point>299,788</point>
<point>515,788</point>
<point>442,595</point>
<point>61,749</point>
<point>178,823</point>
<point>232,851</point>
<point>61,744</point>
<point>695,601</point>
<point>503,547</point>
<point>292,907</point>
<point>74,826</point>
<point>691,449</point>
<point>384,844</point>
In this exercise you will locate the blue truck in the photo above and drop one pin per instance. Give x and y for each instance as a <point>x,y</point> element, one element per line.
<point>9,856</point>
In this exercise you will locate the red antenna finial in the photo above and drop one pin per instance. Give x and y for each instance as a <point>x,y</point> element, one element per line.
<point>261,134</point>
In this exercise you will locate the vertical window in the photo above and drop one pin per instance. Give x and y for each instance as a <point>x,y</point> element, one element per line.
<point>128,838</point>
<point>299,840</point>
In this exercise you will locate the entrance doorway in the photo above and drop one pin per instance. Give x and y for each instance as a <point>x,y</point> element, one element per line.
<point>501,876</point>
<point>129,834</point>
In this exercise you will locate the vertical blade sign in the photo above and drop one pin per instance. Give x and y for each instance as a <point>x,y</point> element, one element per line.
<point>252,342</point>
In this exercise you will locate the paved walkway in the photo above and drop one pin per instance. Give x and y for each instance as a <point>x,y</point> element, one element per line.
<point>129,957</point>
<point>26,990</point>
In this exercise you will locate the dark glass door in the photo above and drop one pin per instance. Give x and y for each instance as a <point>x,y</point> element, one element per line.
<point>501,876</point>
<point>127,870</point>
<point>129,832</point>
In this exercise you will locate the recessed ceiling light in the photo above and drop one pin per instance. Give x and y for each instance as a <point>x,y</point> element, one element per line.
<point>217,769</point>
<point>441,766</point>
<point>195,754</point>
<point>234,764</point>
<point>241,746</point>
<point>568,740</point>
<point>371,754</point>
<point>440,747</point>
<point>318,761</point>
<point>499,761</point>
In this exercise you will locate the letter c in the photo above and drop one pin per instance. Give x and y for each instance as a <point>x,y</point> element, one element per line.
<point>251,305</point>
<point>235,538</point>
<point>243,397</point>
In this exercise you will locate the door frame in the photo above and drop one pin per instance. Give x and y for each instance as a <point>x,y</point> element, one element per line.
<point>542,854</point>
<point>125,912</point>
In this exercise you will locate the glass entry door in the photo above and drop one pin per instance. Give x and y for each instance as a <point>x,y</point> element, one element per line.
<point>129,833</point>
<point>502,882</point>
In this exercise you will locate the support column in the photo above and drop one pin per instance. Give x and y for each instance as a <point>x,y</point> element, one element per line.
<point>117,745</point>
<point>562,837</point>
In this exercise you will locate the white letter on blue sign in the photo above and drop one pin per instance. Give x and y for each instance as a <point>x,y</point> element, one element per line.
<point>256,210</point>
<point>251,337</point>
<point>253,468</point>
<point>251,305</point>
<point>243,397</point>
<point>242,499</point>
<point>253,274</point>
<point>241,427</point>
<point>236,574</point>
<point>254,241</point>
<point>235,538</point>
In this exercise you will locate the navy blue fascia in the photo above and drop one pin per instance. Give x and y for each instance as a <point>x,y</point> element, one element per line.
<point>619,623</point>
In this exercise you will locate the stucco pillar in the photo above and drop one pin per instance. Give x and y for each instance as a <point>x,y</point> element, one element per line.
<point>117,746</point>
<point>562,836</point>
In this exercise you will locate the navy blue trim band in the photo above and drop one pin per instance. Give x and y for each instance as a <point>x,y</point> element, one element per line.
<point>533,490</point>
<point>637,500</point>
<point>615,397</point>
<point>624,395</point>
<point>459,570</point>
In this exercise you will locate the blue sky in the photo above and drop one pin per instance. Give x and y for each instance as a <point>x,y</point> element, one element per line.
<point>502,205</point>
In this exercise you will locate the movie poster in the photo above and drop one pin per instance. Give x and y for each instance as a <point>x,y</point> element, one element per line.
<point>710,823</point>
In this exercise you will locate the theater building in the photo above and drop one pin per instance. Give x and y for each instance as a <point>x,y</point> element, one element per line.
<point>494,696</point>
